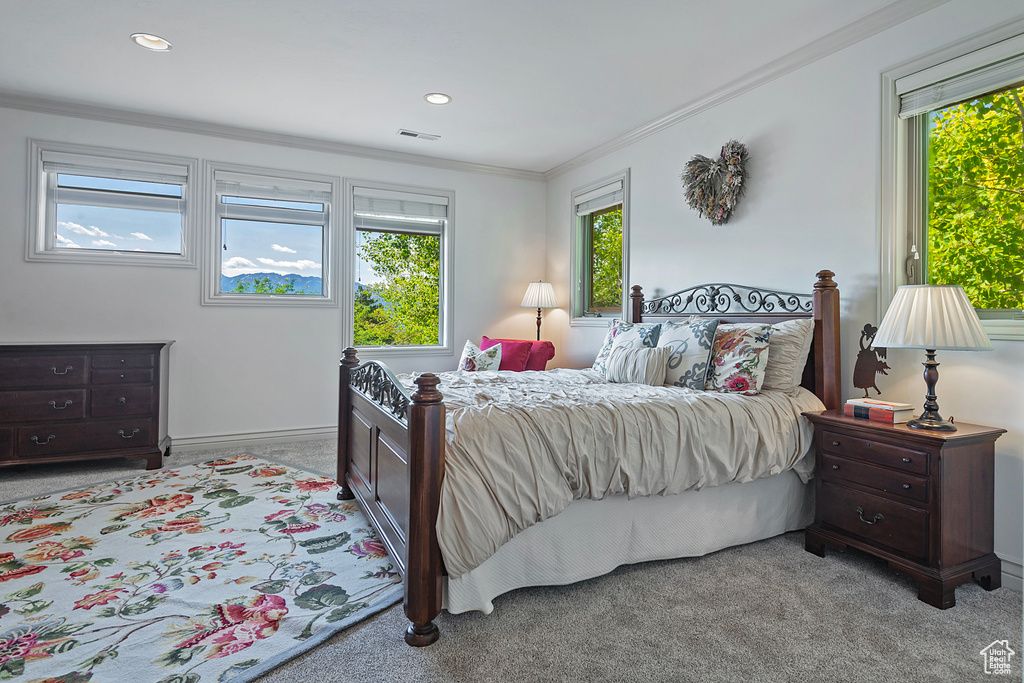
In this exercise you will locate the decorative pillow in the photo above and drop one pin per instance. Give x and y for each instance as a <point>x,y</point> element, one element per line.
<point>641,365</point>
<point>540,353</point>
<point>514,353</point>
<point>601,362</point>
<point>738,358</point>
<point>689,345</point>
<point>632,336</point>
<point>475,360</point>
<point>787,354</point>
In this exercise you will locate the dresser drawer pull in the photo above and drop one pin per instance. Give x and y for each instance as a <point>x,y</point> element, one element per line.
<point>835,467</point>
<point>35,439</point>
<point>120,433</point>
<point>67,369</point>
<point>875,520</point>
<point>121,401</point>
<point>835,443</point>
<point>53,404</point>
<point>907,460</point>
<point>906,486</point>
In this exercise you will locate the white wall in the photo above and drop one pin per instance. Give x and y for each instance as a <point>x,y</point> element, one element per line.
<point>812,203</point>
<point>245,370</point>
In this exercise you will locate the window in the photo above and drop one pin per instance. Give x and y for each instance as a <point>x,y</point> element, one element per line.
<point>272,238</point>
<point>600,250</point>
<point>94,205</point>
<point>403,249</point>
<point>959,207</point>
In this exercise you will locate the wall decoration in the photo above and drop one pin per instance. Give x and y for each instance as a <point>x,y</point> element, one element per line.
<point>714,186</point>
<point>869,362</point>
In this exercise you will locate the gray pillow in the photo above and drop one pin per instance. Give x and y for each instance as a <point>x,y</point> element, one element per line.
<point>689,345</point>
<point>640,365</point>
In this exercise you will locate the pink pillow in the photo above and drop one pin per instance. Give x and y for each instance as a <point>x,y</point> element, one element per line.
<point>540,353</point>
<point>514,354</point>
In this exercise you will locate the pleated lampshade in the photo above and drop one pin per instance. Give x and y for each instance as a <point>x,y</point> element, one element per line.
<point>931,317</point>
<point>539,295</point>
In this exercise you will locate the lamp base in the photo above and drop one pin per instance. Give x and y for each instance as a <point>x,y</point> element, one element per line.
<point>933,422</point>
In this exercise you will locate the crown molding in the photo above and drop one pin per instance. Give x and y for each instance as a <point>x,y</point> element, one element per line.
<point>837,40</point>
<point>45,105</point>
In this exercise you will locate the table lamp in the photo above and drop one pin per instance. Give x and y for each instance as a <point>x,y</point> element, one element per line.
<point>931,317</point>
<point>539,295</point>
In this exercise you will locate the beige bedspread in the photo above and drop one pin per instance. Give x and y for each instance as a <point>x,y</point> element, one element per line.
<point>523,445</point>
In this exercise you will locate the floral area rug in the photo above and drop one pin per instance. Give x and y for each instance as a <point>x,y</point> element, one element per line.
<point>218,571</point>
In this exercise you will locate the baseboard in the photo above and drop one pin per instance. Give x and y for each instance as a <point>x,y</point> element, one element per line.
<point>195,443</point>
<point>1013,572</point>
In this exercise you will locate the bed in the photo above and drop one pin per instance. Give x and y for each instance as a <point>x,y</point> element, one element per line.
<point>394,443</point>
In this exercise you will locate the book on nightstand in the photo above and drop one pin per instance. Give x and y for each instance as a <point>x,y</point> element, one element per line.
<point>882,405</point>
<point>877,414</point>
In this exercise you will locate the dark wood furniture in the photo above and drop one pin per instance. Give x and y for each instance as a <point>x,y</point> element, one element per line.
<point>921,500</point>
<point>65,402</point>
<point>391,445</point>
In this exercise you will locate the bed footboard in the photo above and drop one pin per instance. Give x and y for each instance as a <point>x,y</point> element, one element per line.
<point>391,459</point>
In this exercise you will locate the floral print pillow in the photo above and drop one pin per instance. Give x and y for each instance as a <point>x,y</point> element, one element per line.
<point>690,343</point>
<point>738,359</point>
<point>475,360</point>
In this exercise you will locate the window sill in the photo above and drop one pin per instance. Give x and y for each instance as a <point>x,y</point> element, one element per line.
<point>592,322</point>
<point>373,352</point>
<point>296,301</point>
<point>1004,329</point>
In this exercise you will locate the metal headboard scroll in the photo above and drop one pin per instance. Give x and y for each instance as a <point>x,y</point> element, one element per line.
<point>723,298</point>
<point>377,383</point>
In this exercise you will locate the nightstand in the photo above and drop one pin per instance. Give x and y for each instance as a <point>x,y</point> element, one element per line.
<point>921,500</point>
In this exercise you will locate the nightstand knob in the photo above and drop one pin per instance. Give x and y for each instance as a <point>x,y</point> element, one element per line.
<point>835,443</point>
<point>906,459</point>
<point>906,486</point>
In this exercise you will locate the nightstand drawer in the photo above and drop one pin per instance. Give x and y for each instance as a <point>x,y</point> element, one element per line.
<point>899,527</point>
<point>890,481</point>
<point>878,452</point>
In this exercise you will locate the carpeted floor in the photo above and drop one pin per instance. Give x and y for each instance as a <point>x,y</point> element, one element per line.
<point>765,612</point>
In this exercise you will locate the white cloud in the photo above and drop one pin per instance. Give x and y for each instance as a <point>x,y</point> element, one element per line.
<point>91,231</point>
<point>142,236</point>
<point>278,247</point>
<point>293,265</point>
<point>237,265</point>
<point>103,243</point>
<point>65,242</point>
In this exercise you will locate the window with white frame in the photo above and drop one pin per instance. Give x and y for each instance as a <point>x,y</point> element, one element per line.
<point>95,205</point>
<point>403,246</point>
<point>271,238</point>
<point>958,138</point>
<point>600,241</point>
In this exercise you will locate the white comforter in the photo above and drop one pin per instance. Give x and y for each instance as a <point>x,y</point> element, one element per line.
<point>523,445</point>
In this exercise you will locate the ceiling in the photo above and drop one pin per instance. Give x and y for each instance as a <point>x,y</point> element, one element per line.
<point>535,83</point>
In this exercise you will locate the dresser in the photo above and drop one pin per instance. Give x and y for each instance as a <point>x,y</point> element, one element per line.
<point>64,402</point>
<point>921,500</point>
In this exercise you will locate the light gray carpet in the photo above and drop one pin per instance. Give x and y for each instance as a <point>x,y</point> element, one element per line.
<point>766,612</point>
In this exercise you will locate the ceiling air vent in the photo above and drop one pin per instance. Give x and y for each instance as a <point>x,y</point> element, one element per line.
<point>414,134</point>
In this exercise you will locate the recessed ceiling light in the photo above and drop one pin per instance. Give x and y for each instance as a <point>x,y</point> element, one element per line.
<point>151,42</point>
<point>437,98</point>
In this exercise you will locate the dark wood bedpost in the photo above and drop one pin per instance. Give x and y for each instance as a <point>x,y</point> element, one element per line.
<point>426,470</point>
<point>636,298</point>
<point>828,383</point>
<point>348,362</point>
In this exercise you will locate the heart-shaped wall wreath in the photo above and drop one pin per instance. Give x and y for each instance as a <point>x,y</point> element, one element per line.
<point>714,186</point>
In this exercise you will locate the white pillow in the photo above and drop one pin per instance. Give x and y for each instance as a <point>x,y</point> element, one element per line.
<point>640,365</point>
<point>475,360</point>
<point>632,336</point>
<point>689,344</point>
<point>601,362</point>
<point>787,354</point>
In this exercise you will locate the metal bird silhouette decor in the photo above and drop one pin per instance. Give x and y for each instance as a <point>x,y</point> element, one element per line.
<point>714,186</point>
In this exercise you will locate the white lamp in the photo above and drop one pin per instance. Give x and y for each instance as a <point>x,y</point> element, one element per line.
<point>539,295</point>
<point>931,317</point>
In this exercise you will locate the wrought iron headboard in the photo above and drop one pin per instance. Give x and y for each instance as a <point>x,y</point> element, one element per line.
<point>726,299</point>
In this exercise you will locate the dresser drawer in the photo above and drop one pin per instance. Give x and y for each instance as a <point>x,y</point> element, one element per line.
<point>6,444</point>
<point>123,360</point>
<point>57,439</point>
<point>878,452</point>
<point>901,528</point>
<point>890,481</point>
<point>123,376</point>
<point>133,399</point>
<point>49,404</point>
<point>42,371</point>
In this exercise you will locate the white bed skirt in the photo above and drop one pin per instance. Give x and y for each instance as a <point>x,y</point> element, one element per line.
<point>590,538</point>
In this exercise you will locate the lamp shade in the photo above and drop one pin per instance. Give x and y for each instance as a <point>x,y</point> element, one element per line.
<point>539,295</point>
<point>932,317</point>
